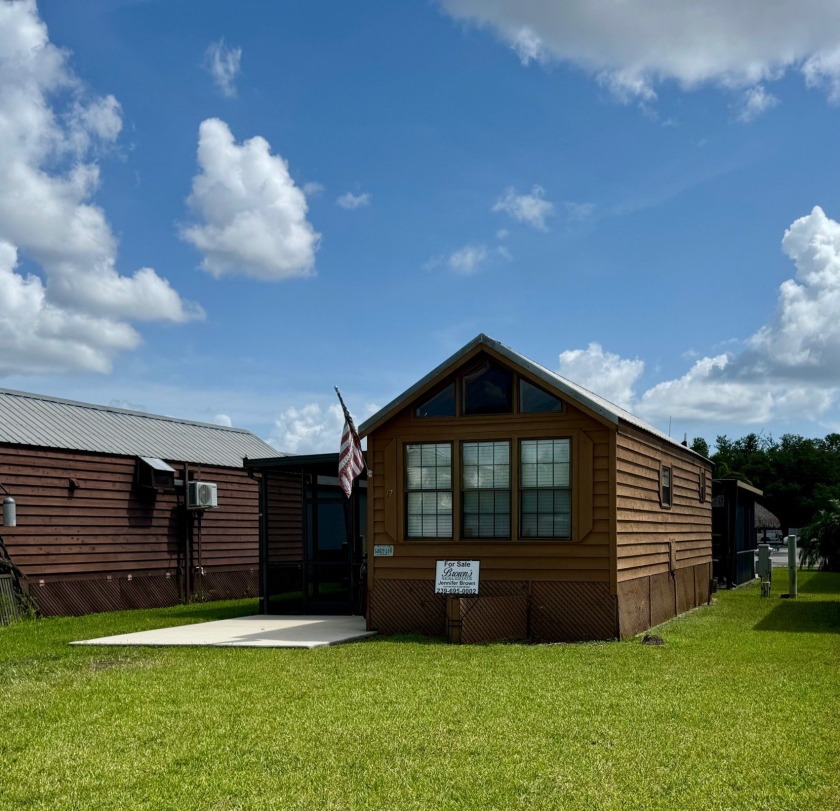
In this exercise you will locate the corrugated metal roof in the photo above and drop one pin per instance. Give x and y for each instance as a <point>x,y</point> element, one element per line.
<point>572,390</point>
<point>49,422</point>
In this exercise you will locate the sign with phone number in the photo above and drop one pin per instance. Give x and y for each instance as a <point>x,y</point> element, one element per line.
<point>457,577</point>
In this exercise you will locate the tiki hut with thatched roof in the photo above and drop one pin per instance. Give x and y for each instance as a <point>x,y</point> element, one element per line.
<point>764,521</point>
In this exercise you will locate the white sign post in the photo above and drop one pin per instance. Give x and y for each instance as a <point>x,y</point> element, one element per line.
<point>457,577</point>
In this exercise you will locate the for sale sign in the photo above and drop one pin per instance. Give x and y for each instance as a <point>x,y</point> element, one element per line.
<point>459,577</point>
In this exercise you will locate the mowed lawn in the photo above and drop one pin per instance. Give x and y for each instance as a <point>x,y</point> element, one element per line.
<point>740,709</point>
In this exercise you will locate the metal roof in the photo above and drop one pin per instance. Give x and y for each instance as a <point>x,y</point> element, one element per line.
<point>571,390</point>
<point>49,422</point>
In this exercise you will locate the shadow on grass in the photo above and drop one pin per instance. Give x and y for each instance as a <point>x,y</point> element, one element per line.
<point>822,583</point>
<point>811,617</point>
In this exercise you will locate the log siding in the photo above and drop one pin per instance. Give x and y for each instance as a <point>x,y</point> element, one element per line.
<point>648,534</point>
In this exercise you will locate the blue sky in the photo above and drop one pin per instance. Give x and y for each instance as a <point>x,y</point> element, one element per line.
<point>219,212</point>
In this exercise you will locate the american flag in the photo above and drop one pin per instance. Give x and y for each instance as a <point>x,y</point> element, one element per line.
<point>351,462</point>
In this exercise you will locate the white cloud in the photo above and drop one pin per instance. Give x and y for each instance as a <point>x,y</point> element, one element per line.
<point>803,339</point>
<point>51,130</point>
<point>223,64</point>
<point>823,70</point>
<point>530,208</point>
<point>632,47</point>
<point>755,101</point>
<point>37,336</point>
<point>224,420</point>
<point>468,260</point>
<point>788,370</point>
<point>603,373</point>
<point>313,429</point>
<point>309,429</point>
<point>352,201</point>
<point>253,216</point>
<point>313,188</point>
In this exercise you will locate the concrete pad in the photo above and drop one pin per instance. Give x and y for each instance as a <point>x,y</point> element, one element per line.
<point>258,631</point>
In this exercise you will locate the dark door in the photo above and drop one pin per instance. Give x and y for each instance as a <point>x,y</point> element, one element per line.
<point>332,547</point>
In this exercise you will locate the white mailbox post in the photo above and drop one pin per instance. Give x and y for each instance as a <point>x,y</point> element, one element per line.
<point>765,568</point>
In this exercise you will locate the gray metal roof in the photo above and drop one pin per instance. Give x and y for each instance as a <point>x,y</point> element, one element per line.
<point>49,422</point>
<point>571,390</point>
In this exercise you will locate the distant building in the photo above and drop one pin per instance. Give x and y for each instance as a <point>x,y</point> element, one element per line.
<point>734,536</point>
<point>103,519</point>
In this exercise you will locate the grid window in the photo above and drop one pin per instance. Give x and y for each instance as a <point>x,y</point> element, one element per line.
<point>545,488</point>
<point>485,502</point>
<point>666,488</point>
<point>428,476</point>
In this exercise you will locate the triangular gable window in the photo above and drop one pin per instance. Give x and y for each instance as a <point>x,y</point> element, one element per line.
<point>533,400</point>
<point>441,404</point>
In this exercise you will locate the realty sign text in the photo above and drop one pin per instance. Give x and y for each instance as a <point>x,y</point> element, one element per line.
<point>458,577</point>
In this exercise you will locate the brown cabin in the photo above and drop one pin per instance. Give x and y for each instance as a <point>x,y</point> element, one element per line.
<point>110,513</point>
<point>587,523</point>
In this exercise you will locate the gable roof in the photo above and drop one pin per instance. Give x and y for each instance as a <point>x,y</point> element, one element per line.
<point>50,422</point>
<point>595,403</point>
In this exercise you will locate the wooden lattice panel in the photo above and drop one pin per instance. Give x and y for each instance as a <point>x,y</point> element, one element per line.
<point>406,607</point>
<point>76,597</point>
<point>493,619</point>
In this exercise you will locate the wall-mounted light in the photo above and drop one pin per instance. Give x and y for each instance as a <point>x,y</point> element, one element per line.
<point>9,509</point>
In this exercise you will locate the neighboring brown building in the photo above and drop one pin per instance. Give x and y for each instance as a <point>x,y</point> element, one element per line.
<point>102,515</point>
<point>587,522</point>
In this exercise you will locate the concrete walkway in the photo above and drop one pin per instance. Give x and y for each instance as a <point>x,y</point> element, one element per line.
<point>259,631</point>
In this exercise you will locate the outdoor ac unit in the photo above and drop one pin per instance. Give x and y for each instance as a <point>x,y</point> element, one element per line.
<point>202,496</point>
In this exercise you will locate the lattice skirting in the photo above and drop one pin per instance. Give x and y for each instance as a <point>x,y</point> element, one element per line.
<point>77,596</point>
<point>406,607</point>
<point>505,610</point>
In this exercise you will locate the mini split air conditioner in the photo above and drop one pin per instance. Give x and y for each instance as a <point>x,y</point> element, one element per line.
<point>201,496</point>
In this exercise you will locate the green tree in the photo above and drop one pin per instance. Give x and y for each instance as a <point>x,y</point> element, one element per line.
<point>820,541</point>
<point>699,445</point>
<point>799,476</point>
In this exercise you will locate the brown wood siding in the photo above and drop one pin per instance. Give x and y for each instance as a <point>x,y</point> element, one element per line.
<point>106,527</point>
<point>647,534</point>
<point>585,558</point>
<point>284,516</point>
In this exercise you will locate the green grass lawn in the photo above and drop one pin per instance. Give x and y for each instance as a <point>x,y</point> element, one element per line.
<point>740,709</point>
